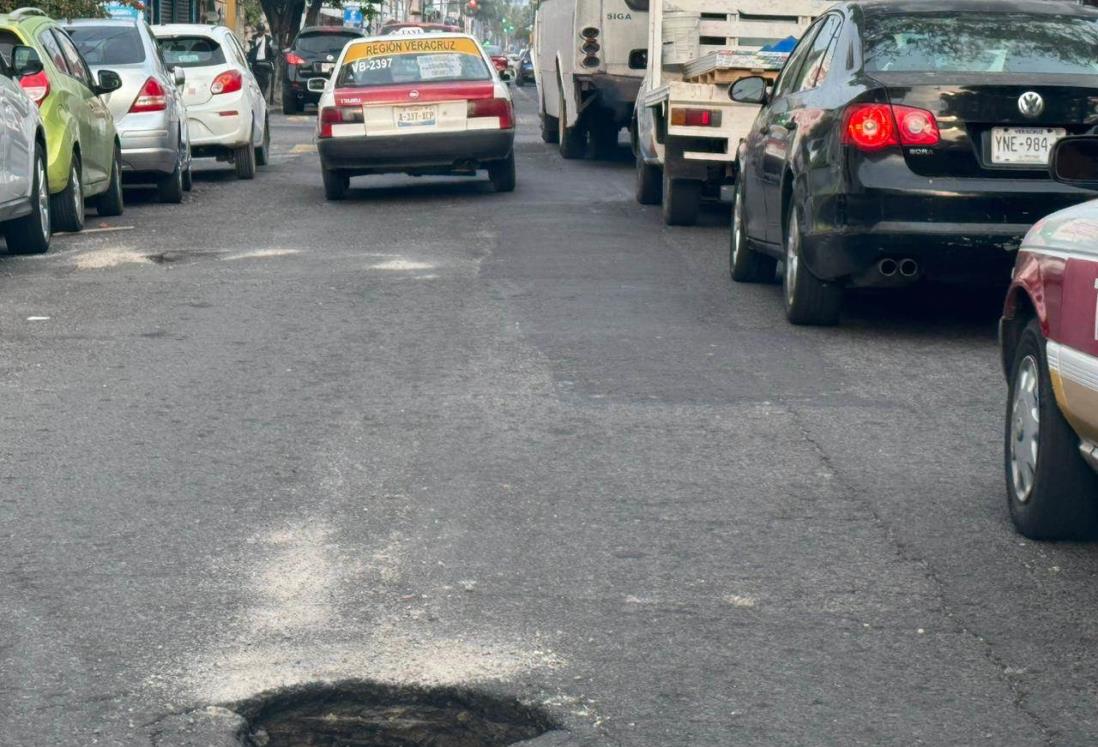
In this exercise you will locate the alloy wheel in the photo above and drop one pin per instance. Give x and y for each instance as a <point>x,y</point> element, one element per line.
<point>1025,428</point>
<point>791,261</point>
<point>43,200</point>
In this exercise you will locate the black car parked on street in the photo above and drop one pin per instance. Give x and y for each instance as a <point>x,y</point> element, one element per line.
<point>908,140</point>
<point>312,55</point>
<point>525,72</point>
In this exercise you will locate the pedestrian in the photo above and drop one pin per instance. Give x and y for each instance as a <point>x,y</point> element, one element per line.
<point>261,57</point>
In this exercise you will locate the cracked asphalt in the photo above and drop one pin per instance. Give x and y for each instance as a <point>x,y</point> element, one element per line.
<point>536,445</point>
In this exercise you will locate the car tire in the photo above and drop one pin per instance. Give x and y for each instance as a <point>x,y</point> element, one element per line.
<point>336,184</point>
<point>502,174</point>
<point>649,182</point>
<point>169,188</point>
<point>289,103</point>
<point>745,264</point>
<point>571,141</point>
<point>808,300</point>
<point>111,203</point>
<point>1052,493</point>
<point>681,198</point>
<point>67,207</point>
<point>31,233</point>
<point>263,153</point>
<point>244,161</point>
<point>188,180</point>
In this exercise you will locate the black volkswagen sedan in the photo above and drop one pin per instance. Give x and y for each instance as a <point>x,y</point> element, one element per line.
<point>909,140</point>
<point>312,55</point>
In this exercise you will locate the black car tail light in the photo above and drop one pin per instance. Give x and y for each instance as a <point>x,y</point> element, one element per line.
<point>873,127</point>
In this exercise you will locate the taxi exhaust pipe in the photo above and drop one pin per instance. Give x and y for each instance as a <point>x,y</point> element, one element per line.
<point>887,267</point>
<point>908,268</point>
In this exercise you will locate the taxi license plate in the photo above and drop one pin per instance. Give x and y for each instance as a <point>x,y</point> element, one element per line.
<point>1023,145</point>
<point>416,116</point>
<point>326,67</point>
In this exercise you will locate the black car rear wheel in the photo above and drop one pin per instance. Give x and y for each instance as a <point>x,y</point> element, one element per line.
<point>1051,491</point>
<point>808,300</point>
<point>336,184</point>
<point>745,264</point>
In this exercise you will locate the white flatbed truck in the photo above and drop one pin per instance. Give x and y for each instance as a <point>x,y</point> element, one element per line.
<point>686,132</point>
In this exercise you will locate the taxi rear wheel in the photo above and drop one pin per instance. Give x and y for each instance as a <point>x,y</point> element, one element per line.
<point>335,184</point>
<point>502,174</point>
<point>1051,492</point>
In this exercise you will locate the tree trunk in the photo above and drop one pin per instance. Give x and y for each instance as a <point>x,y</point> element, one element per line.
<point>284,19</point>
<point>314,12</point>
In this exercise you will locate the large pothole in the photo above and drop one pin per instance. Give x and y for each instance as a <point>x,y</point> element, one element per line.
<point>370,715</point>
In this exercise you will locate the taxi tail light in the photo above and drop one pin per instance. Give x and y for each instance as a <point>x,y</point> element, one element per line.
<point>696,117</point>
<point>37,86</point>
<point>333,115</point>
<point>152,98</point>
<point>493,108</point>
<point>293,58</point>
<point>873,127</point>
<point>228,82</point>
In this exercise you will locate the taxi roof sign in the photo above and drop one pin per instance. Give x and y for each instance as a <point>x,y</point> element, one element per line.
<point>413,44</point>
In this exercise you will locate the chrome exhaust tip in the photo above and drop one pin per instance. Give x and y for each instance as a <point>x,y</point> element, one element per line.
<point>909,268</point>
<point>887,267</point>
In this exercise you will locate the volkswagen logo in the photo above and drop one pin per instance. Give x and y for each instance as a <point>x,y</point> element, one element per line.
<point>413,94</point>
<point>1030,104</point>
<point>331,57</point>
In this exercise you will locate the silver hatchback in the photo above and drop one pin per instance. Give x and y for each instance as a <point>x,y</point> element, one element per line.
<point>148,109</point>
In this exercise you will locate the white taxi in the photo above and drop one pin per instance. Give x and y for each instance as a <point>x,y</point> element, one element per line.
<point>415,104</point>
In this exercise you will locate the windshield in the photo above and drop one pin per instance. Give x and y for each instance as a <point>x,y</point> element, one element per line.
<point>191,51</point>
<point>416,60</point>
<point>981,43</point>
<point>108,44</point>
<point>323,42</point>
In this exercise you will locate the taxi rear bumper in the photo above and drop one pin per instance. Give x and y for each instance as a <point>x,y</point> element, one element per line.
<point>434,152</point>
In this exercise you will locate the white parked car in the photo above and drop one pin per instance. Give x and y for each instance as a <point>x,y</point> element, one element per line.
<point>226,111</point>
<point>24,189</point>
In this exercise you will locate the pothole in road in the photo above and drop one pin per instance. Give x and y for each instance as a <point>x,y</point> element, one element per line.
<point>366,715</point>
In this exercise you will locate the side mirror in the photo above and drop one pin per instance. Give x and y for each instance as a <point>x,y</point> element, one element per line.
<point>316,85</point>
<point>1074,161</point>
<point>752,90</point>
<point>179,76</point>
<point>108,81</point>
<point>25,61</point>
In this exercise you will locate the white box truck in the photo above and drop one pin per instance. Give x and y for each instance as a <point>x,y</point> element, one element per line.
<point>686,132</point>
<point>589,57</point>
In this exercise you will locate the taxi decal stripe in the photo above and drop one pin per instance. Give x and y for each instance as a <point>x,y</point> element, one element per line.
<point>1072,364</point>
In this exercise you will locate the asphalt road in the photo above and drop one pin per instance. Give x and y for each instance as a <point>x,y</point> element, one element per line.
<point>536,444</point>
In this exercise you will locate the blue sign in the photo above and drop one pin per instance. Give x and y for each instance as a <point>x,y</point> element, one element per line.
<point>121,10</point>
<point>352,16</point>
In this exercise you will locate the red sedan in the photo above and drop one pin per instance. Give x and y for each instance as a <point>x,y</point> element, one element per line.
<point>1049,338</point>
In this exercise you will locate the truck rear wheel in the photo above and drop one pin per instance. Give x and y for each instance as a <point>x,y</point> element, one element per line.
<point>572,141</point>
<point>680,200</point>
<point>649,188</point>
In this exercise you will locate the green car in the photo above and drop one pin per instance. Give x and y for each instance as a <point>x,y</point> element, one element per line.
<point>83,149</point>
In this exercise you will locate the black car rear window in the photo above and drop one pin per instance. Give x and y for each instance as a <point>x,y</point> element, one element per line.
<point>108,44</point>
<point>967,42</point>
<point>191,51</point>
<point>323,42</point>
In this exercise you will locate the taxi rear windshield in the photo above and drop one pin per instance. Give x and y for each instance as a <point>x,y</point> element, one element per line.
<point>191,51</point>
<point>408,62</point>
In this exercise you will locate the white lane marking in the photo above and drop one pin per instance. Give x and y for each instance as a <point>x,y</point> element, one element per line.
<point>402,264</point>
<point>261,253</point>
<point>740,600</point>
<point>103,258</point>
<point>86,231</point>
<point>38,318</point>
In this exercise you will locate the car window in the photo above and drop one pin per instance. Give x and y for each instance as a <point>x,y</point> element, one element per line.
<point>77,68</point>
<point>970,42</point>
<point>324,42</point>
<point>53,50</point>
<point>818,60</point>
<point>237,52</point>
<point>792,65</point>
<point>419,60</point>
<point>191,51</point>
<point>108,44</point>
<point>8,39</point>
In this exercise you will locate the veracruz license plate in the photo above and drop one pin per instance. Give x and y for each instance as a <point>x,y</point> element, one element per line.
<point>1023,145</point>
<point>416,116</point>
